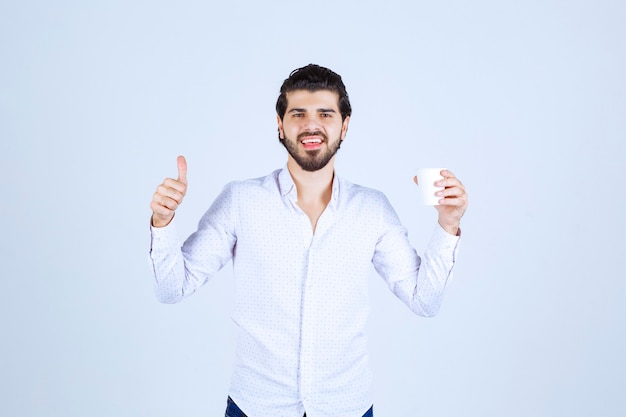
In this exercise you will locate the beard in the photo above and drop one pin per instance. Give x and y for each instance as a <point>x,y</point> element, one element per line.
<point>312,160</point>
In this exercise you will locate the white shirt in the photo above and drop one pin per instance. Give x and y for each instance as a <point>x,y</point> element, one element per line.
<point>301,301</point>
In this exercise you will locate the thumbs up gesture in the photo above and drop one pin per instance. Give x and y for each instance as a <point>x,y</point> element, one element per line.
<point>169,195</point>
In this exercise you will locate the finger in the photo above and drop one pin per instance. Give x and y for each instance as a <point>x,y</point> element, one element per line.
<point>458,202</point>
<point>415,180</point>
<point>165,202</point>
<point>182,169</point>
<point>453,201</point>
<point>179,186</point>
<point>449,182</point>
<point>159,210</point>
<point>446,173</point>
<point>170,193</point>
<point>451,192</point>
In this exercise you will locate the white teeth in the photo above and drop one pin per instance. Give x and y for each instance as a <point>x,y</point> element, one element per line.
<point>312,141</point>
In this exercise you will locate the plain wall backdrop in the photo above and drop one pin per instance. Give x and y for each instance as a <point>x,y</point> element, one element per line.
<point>524,101</point>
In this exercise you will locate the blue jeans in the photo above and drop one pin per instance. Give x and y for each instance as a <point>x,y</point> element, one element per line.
<point>233,411</point>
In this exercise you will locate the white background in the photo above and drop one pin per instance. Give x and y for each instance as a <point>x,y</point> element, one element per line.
<point>524,101</point>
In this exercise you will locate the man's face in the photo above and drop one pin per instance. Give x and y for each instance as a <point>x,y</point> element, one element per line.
<point>312,129</point>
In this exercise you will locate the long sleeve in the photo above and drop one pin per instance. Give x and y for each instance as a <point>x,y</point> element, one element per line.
<point>301,298</point>
<point>180,271</point>
<point>418,282</point>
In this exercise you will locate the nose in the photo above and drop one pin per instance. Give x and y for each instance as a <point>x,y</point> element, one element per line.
<point>311,124</point>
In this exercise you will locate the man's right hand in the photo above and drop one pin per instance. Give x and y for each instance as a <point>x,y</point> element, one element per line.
<point>169,195</point>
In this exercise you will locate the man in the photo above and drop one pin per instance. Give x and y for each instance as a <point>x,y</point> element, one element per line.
<point>301,240</point>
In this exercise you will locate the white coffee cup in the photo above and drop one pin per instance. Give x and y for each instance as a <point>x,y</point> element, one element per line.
<point>426,178</point>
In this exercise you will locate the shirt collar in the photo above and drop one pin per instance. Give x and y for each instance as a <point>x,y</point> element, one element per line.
<point>285,182</point>
<point>287,187</point>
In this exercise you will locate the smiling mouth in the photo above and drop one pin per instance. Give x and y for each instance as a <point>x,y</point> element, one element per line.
<point>311,141</point>
<point>311,144</point>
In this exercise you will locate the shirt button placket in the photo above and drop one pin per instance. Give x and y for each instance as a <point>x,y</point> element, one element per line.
<point>308,337</point>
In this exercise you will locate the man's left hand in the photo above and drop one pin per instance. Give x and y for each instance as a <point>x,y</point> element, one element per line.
<point>452,203</point>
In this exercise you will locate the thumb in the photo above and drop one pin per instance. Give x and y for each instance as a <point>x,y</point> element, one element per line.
<point>182,169</point>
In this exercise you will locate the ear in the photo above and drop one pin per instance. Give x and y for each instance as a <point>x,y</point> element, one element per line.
<point>344,127</point>
<point>281,131</point>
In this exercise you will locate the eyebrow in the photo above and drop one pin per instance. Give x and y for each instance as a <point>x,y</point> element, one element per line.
<point>299,110</point>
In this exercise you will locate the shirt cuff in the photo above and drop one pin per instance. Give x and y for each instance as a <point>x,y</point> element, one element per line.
<point>164,237</point>
<point>444,242</point>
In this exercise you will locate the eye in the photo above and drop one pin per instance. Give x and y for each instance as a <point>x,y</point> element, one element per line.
<point>325,115</point>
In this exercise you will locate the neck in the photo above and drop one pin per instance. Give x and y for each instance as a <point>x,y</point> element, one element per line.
<point>313,186</point>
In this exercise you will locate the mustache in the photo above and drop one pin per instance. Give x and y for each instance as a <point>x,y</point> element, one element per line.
<point>313,133</point>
